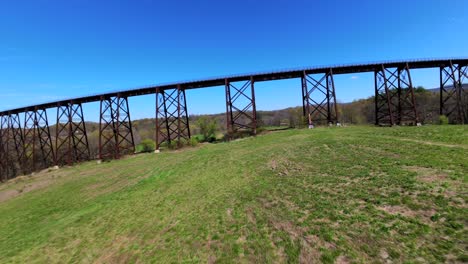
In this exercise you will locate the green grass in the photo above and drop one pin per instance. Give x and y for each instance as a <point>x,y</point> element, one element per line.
<point>353,194</point>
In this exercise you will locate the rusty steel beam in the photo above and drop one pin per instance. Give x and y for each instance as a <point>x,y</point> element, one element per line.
<point>453,98</point>
<point>115,128</point>
<point>319,102</point>
<point>71,138</point>
<point>241,107</point>
<point>172,120</point>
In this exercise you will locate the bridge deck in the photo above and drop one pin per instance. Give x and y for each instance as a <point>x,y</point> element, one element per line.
<point>257,77</point>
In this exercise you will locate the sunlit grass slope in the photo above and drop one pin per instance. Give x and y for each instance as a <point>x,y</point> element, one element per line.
<point>353,194</point>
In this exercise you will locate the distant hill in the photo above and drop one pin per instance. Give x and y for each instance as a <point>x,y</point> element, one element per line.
<point>436,90</point>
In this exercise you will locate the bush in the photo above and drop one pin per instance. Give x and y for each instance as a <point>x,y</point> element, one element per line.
<point>443,120</point>
<point>207,128</point>
<point>173,145</point>
<point>193,141</point>
<point>199,138</point>
<point>147,145</point>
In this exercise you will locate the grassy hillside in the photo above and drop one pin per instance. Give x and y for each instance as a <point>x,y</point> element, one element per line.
<point>354,194</point>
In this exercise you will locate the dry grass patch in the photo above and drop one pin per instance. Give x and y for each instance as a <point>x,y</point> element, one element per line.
<point>429,175</point>
<point>423,215</point>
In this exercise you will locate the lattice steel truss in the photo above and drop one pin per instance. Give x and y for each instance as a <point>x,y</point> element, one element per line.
<point>453,97</point>
<point>172,121</point>
<point>394,97</point>
<point>71,139</point>
<point>115,128</point>
<point>16,153</point>
<point>241,111</point>
<point>319,102</point>
<point>28,162</point>
<point>45,138</point>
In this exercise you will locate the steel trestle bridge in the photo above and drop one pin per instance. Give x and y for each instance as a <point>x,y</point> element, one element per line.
<point>27,145</point>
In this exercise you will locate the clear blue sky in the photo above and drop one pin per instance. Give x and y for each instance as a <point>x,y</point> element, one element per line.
<point>52,50</point>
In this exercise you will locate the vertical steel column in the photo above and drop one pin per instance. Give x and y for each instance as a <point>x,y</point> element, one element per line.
<point>241,108</point>
<point>452,94</point>
<point>171,104</point>
<point>71,137</point>
<point>29,142</point>
<point>254,105</point>
<point>45,139</point>
<point>125,141</point>
<point>115,128</point>
<point>4,151</point>
<point>183,128</point>
<point>319,106</point>
<point>331,94</point>
<point>407,110</point>
<point>463,91</point>
<point>162,126</point>
<point>16,134</point>
<point>305,91</point>
<point>107,133</point>
<point>228,112</point>
<point>386,96</point>
<point>36,135</point>
<point>78,133</point>
<point>63,136</point>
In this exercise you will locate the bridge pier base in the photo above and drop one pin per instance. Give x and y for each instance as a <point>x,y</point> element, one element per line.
<point>172,121</point>
<point>115,128</point>
<point>71,140</point>
<point>453,98</point>
<point>394,97</point>
<point>241,111</point>
<point>320,106</point>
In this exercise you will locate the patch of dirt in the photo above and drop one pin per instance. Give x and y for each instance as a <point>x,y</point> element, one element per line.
<point>294,231</point>
<point>342,260</point>
<point>309,253</point>
<point>427,174</point>
<point>423,215</point>
<point>229,213</point>
<point>310,244</point>
<point>251,216</point>
<point>114,253</point>
<point>24,184</point>
<point>211,259</point>
<point>284,167</point>
<point>384,254</point>
<point>268,204</point>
